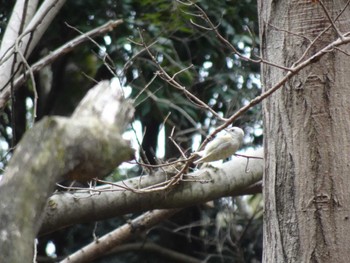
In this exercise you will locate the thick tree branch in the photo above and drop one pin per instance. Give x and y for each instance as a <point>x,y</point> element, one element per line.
<point>81,147</point>
<point>230,178</point>
<point>119,236</point>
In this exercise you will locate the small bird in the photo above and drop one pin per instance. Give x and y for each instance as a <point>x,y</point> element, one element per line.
<point>222,146</point>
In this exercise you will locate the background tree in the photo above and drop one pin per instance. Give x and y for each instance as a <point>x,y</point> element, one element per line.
<point>218,77</point>
<point>305,130</point>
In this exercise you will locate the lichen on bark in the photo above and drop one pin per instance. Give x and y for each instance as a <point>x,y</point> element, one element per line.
<point>82,147</point>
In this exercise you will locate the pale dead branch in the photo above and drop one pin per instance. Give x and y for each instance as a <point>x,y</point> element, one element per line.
<point>119,236</point>
<point>66,48</point>
<point>28,40</point>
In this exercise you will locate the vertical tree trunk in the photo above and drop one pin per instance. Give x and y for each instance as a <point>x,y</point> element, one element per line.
<point>307,135</point>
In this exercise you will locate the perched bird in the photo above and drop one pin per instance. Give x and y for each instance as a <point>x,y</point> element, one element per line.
<point>222,146</point>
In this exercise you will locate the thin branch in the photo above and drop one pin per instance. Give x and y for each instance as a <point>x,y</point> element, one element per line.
<point>171,80</point>
<point>28,40</point>
<point>25,62</point>
<point>120,235</point>
<point>149,93</point>
<point>33,26</point>
<point>213,28</point>
<point>292,72</point>
<point>129,62</point>
<point>342,51</point>
<point>172,105</point>
<point>340,35</point>
<point>108,66</point>
<point>248,156</point>
<point>69,46</point>
<point>288,32</point>
<point>164,164</point>
<point>170,255</point>
<point>176,145</point>
<point>320,34</point>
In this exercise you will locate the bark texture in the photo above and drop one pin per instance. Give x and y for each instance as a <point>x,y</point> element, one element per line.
<point>229,179</point>
<point>81,147</point>
<point>307,142</point>
<point>119,236</point>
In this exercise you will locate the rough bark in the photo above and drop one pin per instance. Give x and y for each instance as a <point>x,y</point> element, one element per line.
<point>85,146</point>
<point>307,143</point>
<point>229,179</point>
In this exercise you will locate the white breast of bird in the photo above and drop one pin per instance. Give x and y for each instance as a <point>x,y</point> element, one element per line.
<point>222,146</point>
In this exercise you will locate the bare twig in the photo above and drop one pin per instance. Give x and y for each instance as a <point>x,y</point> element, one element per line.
<point>161,186</point>
<point>40,18</point>
<point>9,67</point>
<point>166,253</point>
<point>106,56</point>
<point>171,80</point>
<point>292,72</point>
<point>146,87</point>
<point>340,35</point>
<point>128,64</point>
<point>25,62</point>
<point>176,145</point>
<point>172,105</point>
<point>320,34</point>
<point>248,156</point>
<point>342,51</point>
<point>120,235</point>
<point>164,164</point>
<point>4,96</point>
<point>288,32</point>
<point>214,28</point>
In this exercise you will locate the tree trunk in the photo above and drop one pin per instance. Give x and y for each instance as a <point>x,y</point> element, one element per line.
<point>307,135</point>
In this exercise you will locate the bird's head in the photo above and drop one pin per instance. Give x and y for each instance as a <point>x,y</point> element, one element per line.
<point>236,132</point>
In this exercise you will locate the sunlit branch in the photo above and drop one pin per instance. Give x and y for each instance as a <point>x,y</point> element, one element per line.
<point>54,55</point>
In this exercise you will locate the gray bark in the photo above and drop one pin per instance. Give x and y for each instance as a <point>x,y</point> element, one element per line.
<point>307,142</point>
<point>119,236</point>
<point>229,179</point>
<point>81,147</point>
<point>22,13</point>
<point>10,61</point>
